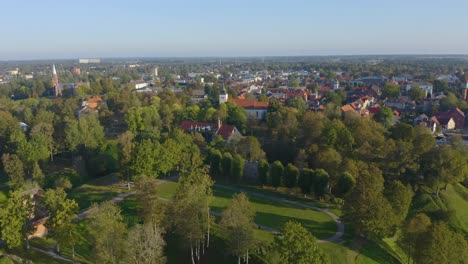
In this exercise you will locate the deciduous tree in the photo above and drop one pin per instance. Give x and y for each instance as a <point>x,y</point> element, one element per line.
<point>297,245</point>
<point>237,221</point>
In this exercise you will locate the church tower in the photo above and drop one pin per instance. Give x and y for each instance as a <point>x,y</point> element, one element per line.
<point>55,81</point>
<point>223,96</point>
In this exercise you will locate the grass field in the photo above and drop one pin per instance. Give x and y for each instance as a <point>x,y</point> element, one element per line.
<point>455,199</point>
<point>95,191</point>
<point>269,213</point>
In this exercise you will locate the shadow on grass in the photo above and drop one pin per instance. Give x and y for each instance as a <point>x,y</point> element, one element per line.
<point>276,214</point>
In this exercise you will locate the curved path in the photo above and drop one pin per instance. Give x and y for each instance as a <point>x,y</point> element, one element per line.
<point>340,226</point>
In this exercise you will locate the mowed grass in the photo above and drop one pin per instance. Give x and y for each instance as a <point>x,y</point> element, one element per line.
<point>96,191</point>
<point>338,254</point>
<point>455,199</point>
<point>87,194</point>
<point>269,213</point>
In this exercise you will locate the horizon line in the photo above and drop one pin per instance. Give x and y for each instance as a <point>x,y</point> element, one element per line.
<point>233,57</point>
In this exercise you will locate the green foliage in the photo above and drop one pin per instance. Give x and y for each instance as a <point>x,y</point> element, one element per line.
<point>215,158</point>
<point>227,164</point>
<point>61,213</point>
<point>306,180</point>
<point>297,245</point>
<point>416,93</point>
<point>345,184</point>
<point>320,181</point>
<point>13,167</point>
<point>400,197</point>
<point>237,167</point>
<point>14,215</point>
<point>109,233</point>
<point>384,116</point>
<point>263,168</point>
<point>250,148</point>
<point>237,222</point>
<point>449,102</point>
<point>443,165</point>
<point>276,173</point>
<point>440,245</point>
<point>366,209</point>
<point>291,176</point>
<point>390,90</point>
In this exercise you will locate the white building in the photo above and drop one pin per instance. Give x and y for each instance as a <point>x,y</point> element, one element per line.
<point>427,87</point>
<point>223,96</point>
<point>156,72</point>
<point>86,61</point>
<point>336,85</point>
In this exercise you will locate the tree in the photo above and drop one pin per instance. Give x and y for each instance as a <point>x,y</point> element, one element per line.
<point>440,86</point>
<point>306,180</point>
<point>385,116</point>
<point>126,147</point>
<point>237,221</point>
<point>109,229</point>
<point>366,209</point>
<point>14,217</point>
<point>227,165</point>
<point>448,102</point>
<point>250,148</point>
<point>61,213</point>
<point>263,168</point>
<point>237,170</point>
<point>152,209</point>
<point>276,173</point>
<point>297,245</point>
<point>13,167</point>
<point>390,90</point>
<point>402,131</point>
<point>189,212</point>
<point>439,244</point>
<point>443,165</point>
<point>400,197</point>
<point>345,184</point>
<point>146,244</point>
<point>411,233</point>
<point>36,173</point>
<point>291,176</point>
<point>416,93</point>
<point>320,182</point>
<point>215,162</point>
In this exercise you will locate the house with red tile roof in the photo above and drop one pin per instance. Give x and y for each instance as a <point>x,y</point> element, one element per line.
<point>456,114</point>
<point>210,130</point>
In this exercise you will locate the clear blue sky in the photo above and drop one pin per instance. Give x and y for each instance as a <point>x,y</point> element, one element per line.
<point>33,29</point>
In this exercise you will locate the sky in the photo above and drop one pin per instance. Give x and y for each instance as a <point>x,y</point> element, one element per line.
<point>47,29</point>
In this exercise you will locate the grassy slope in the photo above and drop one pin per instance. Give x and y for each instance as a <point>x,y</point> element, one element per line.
<point>456,198</point>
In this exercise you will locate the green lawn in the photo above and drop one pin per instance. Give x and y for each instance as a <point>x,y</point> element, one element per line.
<point>338,254</point>
<point>269,213</point>
<point>87,194</point>
<point>455,199</point>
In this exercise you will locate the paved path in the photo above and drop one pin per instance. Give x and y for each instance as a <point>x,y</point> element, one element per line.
<point>54,255</point>
<point>340,226</point>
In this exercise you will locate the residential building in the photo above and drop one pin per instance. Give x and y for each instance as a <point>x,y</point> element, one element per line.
<point>253,108</point>
<point>456,115</point>
<point>425,86</point>
<point>210,130</point>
